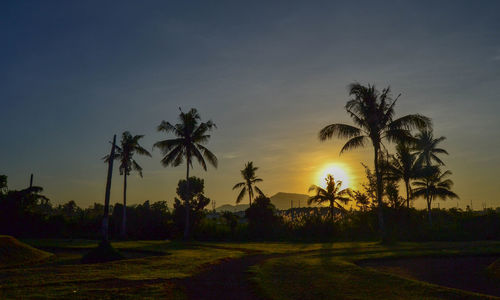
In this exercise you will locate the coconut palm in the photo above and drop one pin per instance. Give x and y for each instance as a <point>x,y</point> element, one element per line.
<point>373,112</point>
<point>188,144</point>
<point>362,200</point>
<point>402,166</point>
<point>332,193</point>
<point>426,146</point>
<point>433,184</point>
<point>125,154</point>
<point>248,185</point>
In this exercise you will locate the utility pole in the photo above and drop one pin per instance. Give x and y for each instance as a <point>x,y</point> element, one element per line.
<point>105,219</point>
<point>31,180</point>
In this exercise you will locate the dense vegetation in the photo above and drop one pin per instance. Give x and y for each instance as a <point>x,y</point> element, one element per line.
<point>381,212</point>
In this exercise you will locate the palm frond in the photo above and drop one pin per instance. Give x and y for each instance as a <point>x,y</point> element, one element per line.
<point>208,155</point>
<point>238,185</point>
<point>340,130</point>
<point>354,143</point>
<point>414,121</point>
<point>241,195</point>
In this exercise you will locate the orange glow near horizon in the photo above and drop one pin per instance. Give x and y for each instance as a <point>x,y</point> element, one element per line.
<point>338,170</point>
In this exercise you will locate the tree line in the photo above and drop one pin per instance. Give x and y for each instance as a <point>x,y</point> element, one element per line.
<point>416,163</point>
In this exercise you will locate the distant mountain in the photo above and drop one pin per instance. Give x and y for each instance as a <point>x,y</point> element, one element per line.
<point>284,201</point>
<point>232,208</point>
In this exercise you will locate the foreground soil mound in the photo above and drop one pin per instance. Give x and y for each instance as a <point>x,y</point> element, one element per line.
<point>494,269</point>
<point>15,253</point>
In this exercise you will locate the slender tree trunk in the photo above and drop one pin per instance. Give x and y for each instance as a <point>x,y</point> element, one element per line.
<point>383,232</point>
<point>105,219</point>
<point>250,193</point>
<point>331,210</point>
<point>186,205</point>
<point>429,204</point>
<point>407,183</point>
<point>124,215</point>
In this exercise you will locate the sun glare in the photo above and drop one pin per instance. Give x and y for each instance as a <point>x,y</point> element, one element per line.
<point>338,171</point>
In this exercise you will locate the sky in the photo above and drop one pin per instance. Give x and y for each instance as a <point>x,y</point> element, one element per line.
<point>270,74</point>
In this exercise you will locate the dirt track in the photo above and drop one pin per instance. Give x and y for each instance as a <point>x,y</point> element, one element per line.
<point>460,272</point>
<point>227,280</point>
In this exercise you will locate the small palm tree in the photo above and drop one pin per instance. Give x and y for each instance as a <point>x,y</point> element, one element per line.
<point>125,154</point>
<point>188,144</point>
<point>426,146</point>
<point>362,200</point>
<point>332,193</point>
<point>402,166</point>
<point>373,112</point>
<point>433,184</point>
<point>248,185</point>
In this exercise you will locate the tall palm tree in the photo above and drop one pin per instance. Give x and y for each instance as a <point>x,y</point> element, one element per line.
<point>426,146</point>
<point>248,185</point>
<point>125,154</point>
<point>188,144</point>
<point>373,112</point>
<point>332,193</point>
<point>402,166</point>
<point>433,184</point>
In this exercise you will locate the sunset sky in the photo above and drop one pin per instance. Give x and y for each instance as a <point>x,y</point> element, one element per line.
<point>269,75</point>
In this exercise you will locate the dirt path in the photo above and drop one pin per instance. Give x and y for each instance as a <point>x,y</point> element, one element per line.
<point>227,280</point>
<point>460,272</point>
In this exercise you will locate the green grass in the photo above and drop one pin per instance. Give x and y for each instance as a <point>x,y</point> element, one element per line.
<point>308,271</point>
<point>149,276</point>
<point>332,274</point>
<point>14,252</point>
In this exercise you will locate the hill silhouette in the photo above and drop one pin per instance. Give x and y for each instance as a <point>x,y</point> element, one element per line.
<point>284,201</point>
<point>13,252</point>
<point>281,200</point>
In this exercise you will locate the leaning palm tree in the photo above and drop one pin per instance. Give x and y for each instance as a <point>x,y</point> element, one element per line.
<point>125,154</point>
<point>188,144</point>
<point>402,166</point>
<point>248,185</point>
<point>373,112</point>
<point>433,184</point>
<point>332,193</point>
<point>426,147</point>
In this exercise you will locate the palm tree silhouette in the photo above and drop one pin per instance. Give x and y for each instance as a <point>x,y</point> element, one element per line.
<point>125,154</point>
<point>402,166</point>
<point>433,184</point>
<point>426,145</point>
<point>248,185</point>
<point>191,135</point>
<point>332,193</point>
<point>373,112</point>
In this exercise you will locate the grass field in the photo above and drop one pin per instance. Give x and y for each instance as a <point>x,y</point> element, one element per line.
<point>298,271</point>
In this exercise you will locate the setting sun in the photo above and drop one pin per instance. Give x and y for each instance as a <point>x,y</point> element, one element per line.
<point>338,171</point>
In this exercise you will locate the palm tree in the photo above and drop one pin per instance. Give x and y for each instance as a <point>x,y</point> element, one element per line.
<point>426,146</point>
<point>248,185</point>
<point>188,144</point>
<point>362,199</point>
<point>402,166</point>
<point>125,154</point>
<point>332,193</point>
<point>373,112</point>
<point>433,184</point>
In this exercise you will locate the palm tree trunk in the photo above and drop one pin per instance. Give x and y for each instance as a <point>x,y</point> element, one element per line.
<point>124,215</point>
<point>331,210</point>
<point>380,213</point>
<point>105,219</point>
<point>250,193</point>
<point>429,203</point>
<point>186,205</point>
<point>407,184</point>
